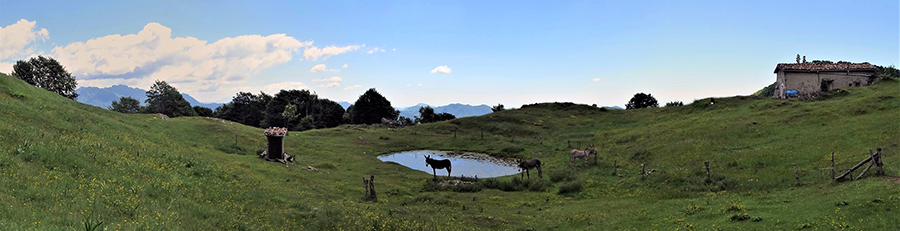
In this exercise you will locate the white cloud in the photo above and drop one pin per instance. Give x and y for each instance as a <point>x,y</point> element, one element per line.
<point>276,87</point>
<point>314,53</point>
<point>6,67</point>
<point>352,87</point>
<point>331,84</point>
<point>321,67</point>
<point>596,79</point>
<point>195,64</point>
<point>395,49</point>
<point>15,38</point>
<point>318,68</point>
<point>345,65</point>
<point>420,84</point>
<point>441,69</point>
<point>332,79</point>
<point>374,50</point>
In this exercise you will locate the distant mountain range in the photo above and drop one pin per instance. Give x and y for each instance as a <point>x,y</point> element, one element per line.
<point>103,97</point>
<point>458,110</point>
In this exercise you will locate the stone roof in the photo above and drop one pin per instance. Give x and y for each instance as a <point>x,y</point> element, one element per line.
<point>825,66</point>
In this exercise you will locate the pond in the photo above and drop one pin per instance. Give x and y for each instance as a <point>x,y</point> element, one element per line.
<point>468,164</point>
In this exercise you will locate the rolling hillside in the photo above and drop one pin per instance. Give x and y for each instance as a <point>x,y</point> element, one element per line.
<point>64,164</point>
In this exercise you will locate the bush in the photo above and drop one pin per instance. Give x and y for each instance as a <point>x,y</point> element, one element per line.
<point>562,175</point>
<point>517,184</point>
<point>674,104</point>
<point>570,187</point>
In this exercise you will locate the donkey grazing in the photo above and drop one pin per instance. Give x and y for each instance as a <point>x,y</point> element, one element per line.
<point>583,154</point>
<point>437,164</point>
<point>529,164</point>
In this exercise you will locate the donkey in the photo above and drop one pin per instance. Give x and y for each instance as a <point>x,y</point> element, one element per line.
<point>529,164</point>
<point>437,164</point>
<point>583,155</point>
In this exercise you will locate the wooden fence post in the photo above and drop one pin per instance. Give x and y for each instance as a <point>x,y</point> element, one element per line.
<point>832,167</point>
<point>878,164</point>
<point>796,175</point>
<point>372,188</point>
<point>569,142</point>
<point>708,178</point>
<point>642,171</point>
<point>369,184</point>
<point>615,167</point>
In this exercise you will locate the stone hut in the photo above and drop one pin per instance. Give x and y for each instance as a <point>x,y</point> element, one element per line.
<point>810,79</point>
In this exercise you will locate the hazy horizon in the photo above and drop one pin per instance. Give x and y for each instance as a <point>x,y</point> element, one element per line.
<point>439,53</point>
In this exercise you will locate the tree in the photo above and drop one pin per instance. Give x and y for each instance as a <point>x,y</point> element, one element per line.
<point>405,121</point>
<point>203,111</point>
<point>245,108</point>
<point>370,108</point>
<point>48,74</point>
<point>641,100</point>
<point>126,104</point>
<point>165,99</point>
<point>428,116</point>
<point>497,108</point>
<point>310,112</point>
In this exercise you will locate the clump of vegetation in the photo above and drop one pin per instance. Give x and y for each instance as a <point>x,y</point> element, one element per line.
<point>733,206</point>
<point>740,217</point>
<point>887,73</point>
<point>565,174</point>
<point>674,104</point>
<point>518,184</point>
<point>767,91</point>
<point>692,209</point>
<point>48,74</point>
<point>572,186</point>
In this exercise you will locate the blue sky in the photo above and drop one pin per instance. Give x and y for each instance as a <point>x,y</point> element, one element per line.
<point>490,52</point>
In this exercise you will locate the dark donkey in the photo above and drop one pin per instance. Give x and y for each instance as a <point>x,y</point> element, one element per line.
<point>529,164</point>
<point>437,164</point>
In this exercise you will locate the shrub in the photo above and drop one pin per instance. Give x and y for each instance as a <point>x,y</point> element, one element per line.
<point>562,175</point>
<point>570,187</point>
<point>674,104</point>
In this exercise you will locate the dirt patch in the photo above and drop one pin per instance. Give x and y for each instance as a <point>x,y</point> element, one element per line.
<point>896,180</point>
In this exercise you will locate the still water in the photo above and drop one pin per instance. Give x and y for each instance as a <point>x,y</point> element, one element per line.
<point>468,164</point>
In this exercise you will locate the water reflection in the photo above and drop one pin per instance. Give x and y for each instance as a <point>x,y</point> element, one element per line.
<point>468,164</point>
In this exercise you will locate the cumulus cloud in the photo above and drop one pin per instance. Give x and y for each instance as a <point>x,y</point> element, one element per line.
<point>314,53</point>
<point>321,67</point>
<point>596,79</point>
<point>6,67</point>
<point>318,68</point>
<point>441,69</point>
<point>345,65</point>
<point>16,37</point>
<point>352,87</point>
<point>153,54</point>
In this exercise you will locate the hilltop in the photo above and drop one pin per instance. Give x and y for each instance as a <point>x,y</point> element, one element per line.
<point>64,163</point>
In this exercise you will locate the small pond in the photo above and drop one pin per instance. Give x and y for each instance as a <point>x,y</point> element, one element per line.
<point>468,164</point>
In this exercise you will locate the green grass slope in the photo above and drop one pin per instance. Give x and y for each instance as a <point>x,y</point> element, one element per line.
<point>64,164</point>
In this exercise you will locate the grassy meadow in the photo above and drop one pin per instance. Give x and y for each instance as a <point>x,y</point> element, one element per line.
<point>65,165</point>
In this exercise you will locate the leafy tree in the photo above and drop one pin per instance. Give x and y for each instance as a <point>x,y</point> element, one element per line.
<point>497,108</point>
<point>48,74</point>
<point>767,91</point>
<point>641,100</point>
<point>310,112</point>
<point>886,73</point>
<point>126,104</point>
<point>165,99</point>
<point>674,104</point>
<point>245,108</point>
<point>203,111</point>
<point>428,116</point>
<point>370,108</point>
<point>405,121</point>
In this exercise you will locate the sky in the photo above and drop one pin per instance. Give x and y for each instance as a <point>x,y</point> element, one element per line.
<point>443,52</point>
